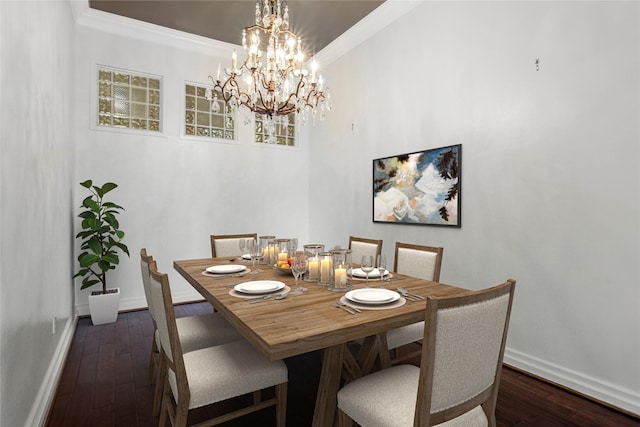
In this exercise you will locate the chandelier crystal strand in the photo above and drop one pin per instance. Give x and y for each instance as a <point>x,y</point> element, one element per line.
<point>273,79</point>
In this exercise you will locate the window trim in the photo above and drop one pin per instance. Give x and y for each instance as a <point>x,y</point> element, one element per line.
<point>209,139</point>
<point>95,91</point>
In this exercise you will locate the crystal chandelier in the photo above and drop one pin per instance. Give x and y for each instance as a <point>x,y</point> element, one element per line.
<point>273,79</point>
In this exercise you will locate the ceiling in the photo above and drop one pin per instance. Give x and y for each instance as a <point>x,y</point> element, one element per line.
<point>318,22</point>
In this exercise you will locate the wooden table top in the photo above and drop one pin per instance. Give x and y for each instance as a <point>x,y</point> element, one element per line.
<point>307,322</point>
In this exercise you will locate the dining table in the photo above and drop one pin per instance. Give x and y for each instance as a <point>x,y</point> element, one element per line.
<point>312,320</point>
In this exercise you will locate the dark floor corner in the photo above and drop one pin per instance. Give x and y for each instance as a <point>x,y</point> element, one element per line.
<point>104,383</point>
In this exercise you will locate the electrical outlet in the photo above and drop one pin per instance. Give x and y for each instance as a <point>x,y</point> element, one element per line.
<point>53,325</point>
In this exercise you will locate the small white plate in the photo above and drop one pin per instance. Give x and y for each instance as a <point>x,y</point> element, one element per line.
<point>372,296</point>
<point>357,272</point>
<point>246,256</point>
<point>259,287</point>
<point>226,269</point>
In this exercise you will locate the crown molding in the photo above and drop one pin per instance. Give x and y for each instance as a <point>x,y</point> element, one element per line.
<point>379,18</point>
<point>382,16</point>
<point>133,28</point>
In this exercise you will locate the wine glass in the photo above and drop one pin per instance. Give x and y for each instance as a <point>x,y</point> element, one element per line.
<point>298,268</point>
<point>381,264</point>
<point>366,265</point>
<point>254,252</point>
<point>242,243</point>
<point>293,245</point>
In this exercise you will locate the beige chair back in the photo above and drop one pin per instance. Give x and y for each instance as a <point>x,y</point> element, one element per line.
<point>168,332</point>
<point>145,260</point>
<point>360,247</point>
<point>461,362</point>
<point>224,245</point>
<point>419,261</point>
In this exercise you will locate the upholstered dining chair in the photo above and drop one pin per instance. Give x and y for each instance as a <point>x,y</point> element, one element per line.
<point>360,247</point>
<point>194,332</point>
<point>202,377</point>
<point>223,245</point>
<point>459,375</point>
<point>419,261</point>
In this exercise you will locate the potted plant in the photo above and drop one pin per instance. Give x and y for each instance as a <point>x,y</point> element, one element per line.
<point>101,240</point>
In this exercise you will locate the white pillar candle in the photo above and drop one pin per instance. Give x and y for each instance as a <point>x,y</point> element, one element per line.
<point>340,278</point>
<point>325,270</point>
<point>313,269</point>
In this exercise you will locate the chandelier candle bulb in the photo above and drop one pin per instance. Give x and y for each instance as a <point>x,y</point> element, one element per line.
<point>270,92</point>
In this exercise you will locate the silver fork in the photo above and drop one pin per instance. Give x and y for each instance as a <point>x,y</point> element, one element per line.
<point>357,310</point>
<point>347,309</point>
<point>405,293</point>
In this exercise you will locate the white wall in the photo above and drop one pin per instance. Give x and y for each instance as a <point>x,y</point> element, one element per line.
<point>36,176</point>
<point>550,173</point>
<point>550,181</point>
<point>178,191</point>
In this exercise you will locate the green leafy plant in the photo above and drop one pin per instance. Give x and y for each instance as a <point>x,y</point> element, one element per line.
<point>101,236</point>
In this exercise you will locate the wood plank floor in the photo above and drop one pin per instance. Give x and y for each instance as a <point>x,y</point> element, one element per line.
<point>104,383</point>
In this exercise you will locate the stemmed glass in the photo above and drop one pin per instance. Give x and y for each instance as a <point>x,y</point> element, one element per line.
<point>381,264</point>
<point>254,252</point>
<point>298,268</point>
<point>367,265</point>
<point>242,244</point>
<point>293,245</point>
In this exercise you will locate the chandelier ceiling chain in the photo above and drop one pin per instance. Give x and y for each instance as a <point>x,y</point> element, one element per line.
<point>276,80</point>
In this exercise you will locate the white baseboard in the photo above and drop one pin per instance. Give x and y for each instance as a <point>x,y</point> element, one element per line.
<point>127,304</point>
<point>619,397</point>
<point>614,395</point>
<point>43,400</point>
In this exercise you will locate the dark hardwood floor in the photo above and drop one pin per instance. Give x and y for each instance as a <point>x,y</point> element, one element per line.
<point>104,383</point>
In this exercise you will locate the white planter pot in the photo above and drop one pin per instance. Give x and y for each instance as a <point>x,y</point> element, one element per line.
<point>104,307</point>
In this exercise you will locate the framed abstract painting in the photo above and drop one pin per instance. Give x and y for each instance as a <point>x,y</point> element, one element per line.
<point>419,188</point>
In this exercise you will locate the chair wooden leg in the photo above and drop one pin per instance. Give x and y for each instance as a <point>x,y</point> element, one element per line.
<point>153,360</point>
<point>344,420</point>
<point>182,412</point>
<point>257,397</point>
<point>281,405</point>
<point>161,379</point>
<point>164,413</point>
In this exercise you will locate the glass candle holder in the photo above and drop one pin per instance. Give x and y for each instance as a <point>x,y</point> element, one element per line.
<point>312,258</point>
<point>340,266</point>
<point>281,251</point>
<point>326,263</point>
<point>264,248</point>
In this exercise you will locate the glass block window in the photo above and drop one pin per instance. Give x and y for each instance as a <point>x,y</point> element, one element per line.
<point>128,100</point>
<point>200,120</point>
<point>284,130</point>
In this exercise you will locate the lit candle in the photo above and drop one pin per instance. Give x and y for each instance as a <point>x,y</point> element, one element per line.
<point>325,270</point>
<point>340,277</point>
<point>282,256</point>
<point>234,60</point>
<point>218,78</point>
<point>313,269</point>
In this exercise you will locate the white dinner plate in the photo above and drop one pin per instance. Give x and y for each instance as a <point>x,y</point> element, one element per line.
<point>357,272</point>
<point>259,287</point>
<point>372,296</point>
<point>226,269</point>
